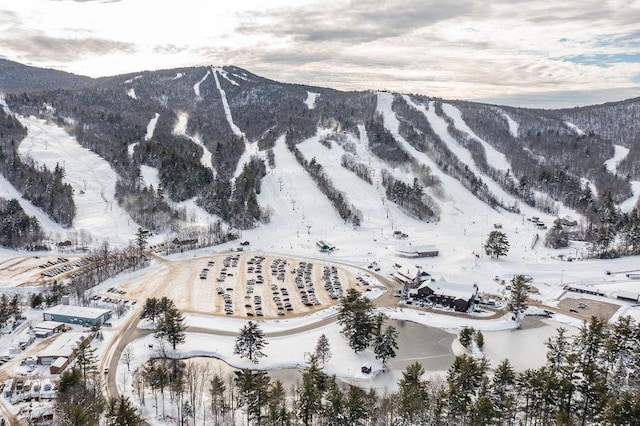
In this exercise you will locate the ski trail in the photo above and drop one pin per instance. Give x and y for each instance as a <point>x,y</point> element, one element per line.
<point>92,178</point>
<point>495,158</point>
<point>310,102</point>
<point>575,128</point>
<point>619,154</point>
<point>225,74</point>
<point>513,125</point>
<point>132,94</point>
<point>227,111</point>
<point>439,126</point>
<point>250,148</point>
<point>196,87</point>
<point>151,127</point>
<point>180,129</point>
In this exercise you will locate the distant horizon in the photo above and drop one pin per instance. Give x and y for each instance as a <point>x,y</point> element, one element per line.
<point>538,53</point>
<point>562,100</point>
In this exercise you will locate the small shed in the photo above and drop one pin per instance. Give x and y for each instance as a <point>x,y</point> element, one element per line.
<point>59,365</point>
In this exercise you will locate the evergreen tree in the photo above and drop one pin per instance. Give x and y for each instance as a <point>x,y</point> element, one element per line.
<point>464,378</point>
<point>150,310</point>
<point>122,412</point>
<point>518,299</point>
<point>496,245</point>
<point>250,342</point>
<point>253,388</point>
<point>479,338</point>
<point>217,390</point>
<point>466,336</point>
<point>322,350</point>
<point>86,359</point>
<point>278,413</point>
<point>313,387</point>
<point>355,314</point>
<point>503,392</point>
<point>78,403</point>
<point>414,396</point>
<point>141,238</point>
<point>386,345</point>
<point>356,413</point>
<point>171,327</point>
<point>333,407</point>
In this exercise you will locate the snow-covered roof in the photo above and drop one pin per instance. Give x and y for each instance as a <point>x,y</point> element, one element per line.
<point>458,291</point>
<point>63,345</point>
<point>76,311</point>
<point>412,250</point>
<point>48,325</point>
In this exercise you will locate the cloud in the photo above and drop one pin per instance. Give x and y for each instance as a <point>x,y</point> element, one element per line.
<point>39,47</point>
<point>355,22</point>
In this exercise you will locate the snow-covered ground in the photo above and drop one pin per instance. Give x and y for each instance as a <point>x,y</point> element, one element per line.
<point>93,181</point>
<point>310,102</point>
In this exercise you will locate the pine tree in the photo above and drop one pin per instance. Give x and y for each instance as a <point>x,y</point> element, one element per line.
<point>355,314</point>
<point>141,238</point>
<point>253,387</point>
<point>278,413</point>
<point>356,413</point>
<point>466,336</point>
<point>86,359</point>
<point>313,386</point>
<point>496,245</point>
<point>479,338</point>
<point>502,391</point>
<point>414,396</point>
<point>217,389</point>
<point>122,412</point>
<point>518,299</point>
<point>386,345</point>
<point>333,407</point>
<point>150,310</point>
<point>171,327</point>
<point>464,378</point>
<point>250,342</point>
<point>322,350</point>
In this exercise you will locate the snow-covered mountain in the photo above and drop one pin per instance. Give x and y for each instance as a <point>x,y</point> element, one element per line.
<point>168,150</point>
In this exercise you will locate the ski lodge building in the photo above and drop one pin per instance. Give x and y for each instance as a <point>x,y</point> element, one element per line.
<point>420,285</point>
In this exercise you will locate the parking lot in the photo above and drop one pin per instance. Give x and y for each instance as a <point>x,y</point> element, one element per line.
<point>254,285</point>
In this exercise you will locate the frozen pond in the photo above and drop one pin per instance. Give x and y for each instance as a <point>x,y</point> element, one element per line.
<point>525,347</point>
<point>432,347</point>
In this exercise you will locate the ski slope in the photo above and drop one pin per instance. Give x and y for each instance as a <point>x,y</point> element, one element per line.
<point>299,211</point>
<point>367,198</point>
<point>513,125</point>
<point>151,127</point>
<point>575,128</point>
<point>180,129</point>
<point>496,159</point>
<point>93,181</point>
<point>225,104</point>
<point>619,153</point>
<point>196,87</point>
<point>310,102</point>
<point>8,191</point>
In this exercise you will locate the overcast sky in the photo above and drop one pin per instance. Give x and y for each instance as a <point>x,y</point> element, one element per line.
<point>520,52</point>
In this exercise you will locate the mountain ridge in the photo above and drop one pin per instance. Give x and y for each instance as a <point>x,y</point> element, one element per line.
<point>209,133</point>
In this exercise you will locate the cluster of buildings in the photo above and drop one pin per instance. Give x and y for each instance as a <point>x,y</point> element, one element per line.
<point>422,287</point>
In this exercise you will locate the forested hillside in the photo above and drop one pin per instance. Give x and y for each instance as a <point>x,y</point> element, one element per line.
<point>209,132</point>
